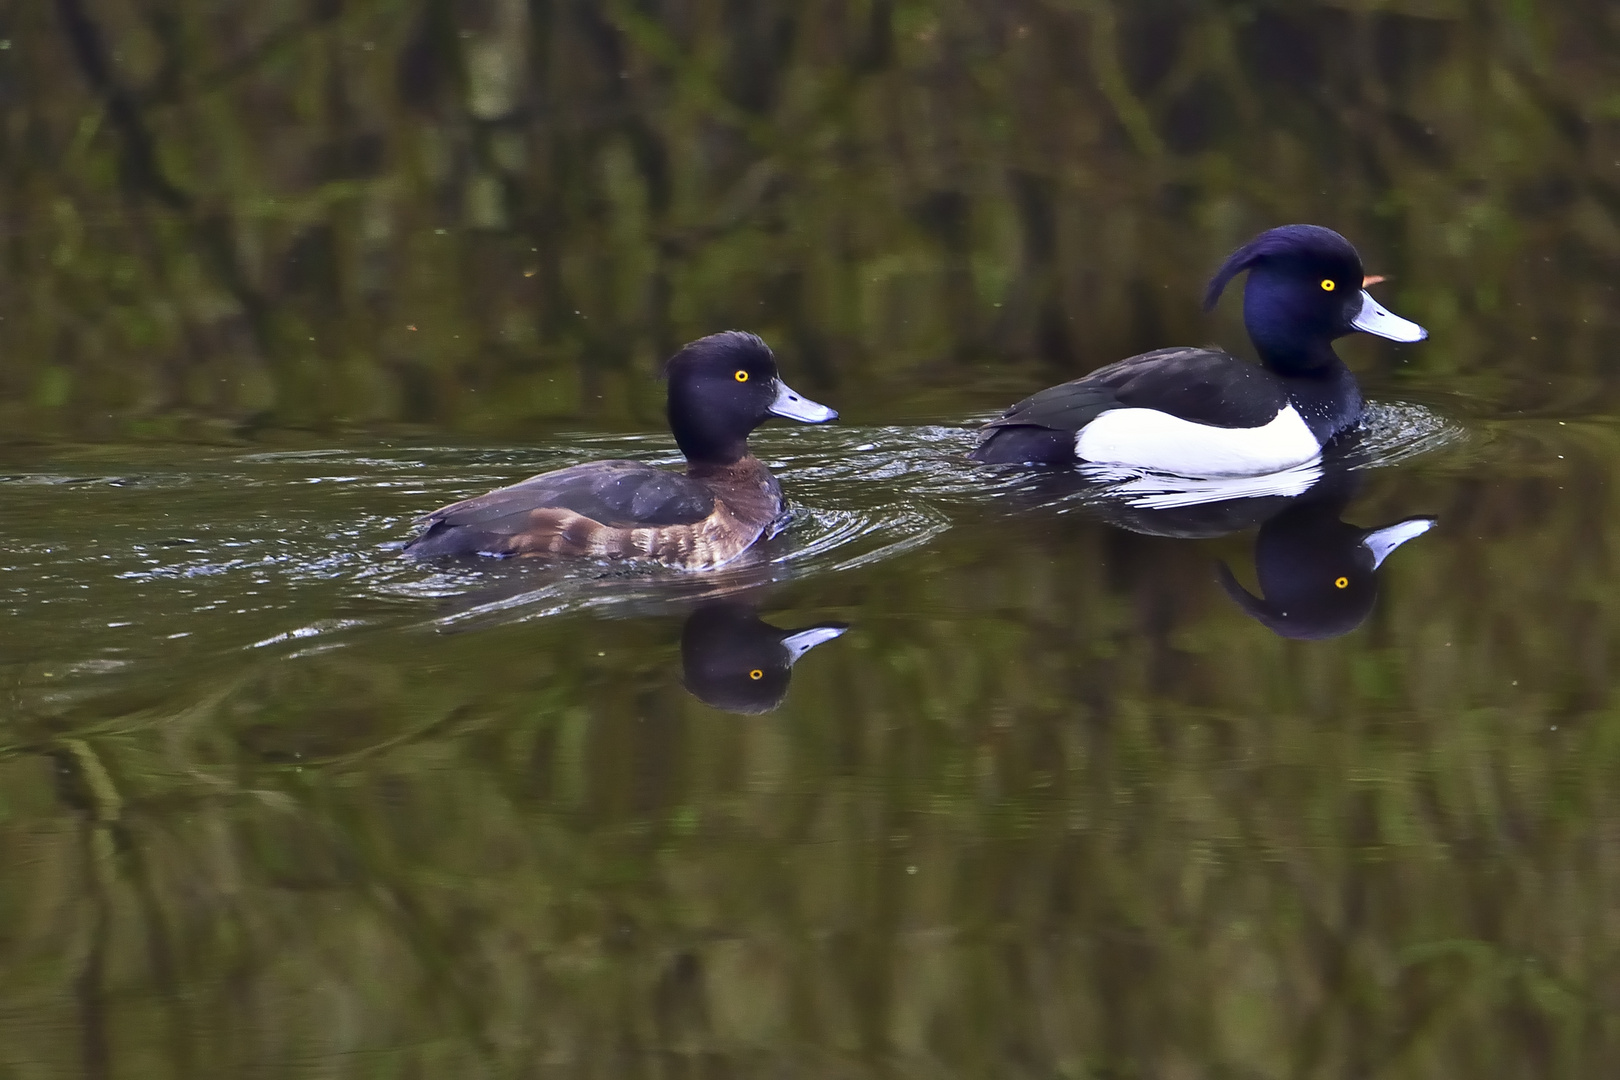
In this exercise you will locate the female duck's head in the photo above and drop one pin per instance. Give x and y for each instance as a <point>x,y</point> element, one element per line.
<point>1306,287</point>
<point>721,388</point>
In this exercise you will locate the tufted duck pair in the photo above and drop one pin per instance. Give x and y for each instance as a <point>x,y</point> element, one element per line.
<point>1186,411</point>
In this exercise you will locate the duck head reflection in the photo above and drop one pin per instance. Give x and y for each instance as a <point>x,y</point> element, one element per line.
<point>733,660</point>
<point>1318,575</point>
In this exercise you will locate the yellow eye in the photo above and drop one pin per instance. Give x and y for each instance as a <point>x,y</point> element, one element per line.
<point>1341,583</point>
<point>1327,285</point>
<point>741,376</point>
<point>756,674</point>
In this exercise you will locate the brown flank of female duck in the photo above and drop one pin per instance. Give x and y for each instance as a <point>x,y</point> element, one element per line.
<point>721,388</point>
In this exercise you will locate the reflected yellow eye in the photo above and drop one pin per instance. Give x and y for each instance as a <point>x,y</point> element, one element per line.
<point>741,376</point>
<point>1341,583</point>
<point>756,674</point>
<point>1327,285</point>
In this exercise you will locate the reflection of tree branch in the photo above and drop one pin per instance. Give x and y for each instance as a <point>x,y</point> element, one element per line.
<point>652,38</point>
<point>1128,108</point>
<point>143,170</point>
<point>141,166</point>
<point>116,865</point>
<point>96,1053</point>
<point>274,45</point>
<point>98,801</point>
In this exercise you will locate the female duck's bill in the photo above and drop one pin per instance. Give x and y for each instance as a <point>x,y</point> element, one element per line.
<point>720,388</point>
<point>790,406</point>
<point>731,659</point>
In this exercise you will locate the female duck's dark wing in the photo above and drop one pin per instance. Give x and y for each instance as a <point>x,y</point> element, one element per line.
<point>579,510</point>
<point>1204,386</point>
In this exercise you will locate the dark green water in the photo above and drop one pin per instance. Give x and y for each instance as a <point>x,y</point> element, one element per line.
<point>275,801</point>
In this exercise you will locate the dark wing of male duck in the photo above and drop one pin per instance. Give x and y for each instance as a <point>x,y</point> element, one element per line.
<point>572,511</point>
<point>1204,386</point>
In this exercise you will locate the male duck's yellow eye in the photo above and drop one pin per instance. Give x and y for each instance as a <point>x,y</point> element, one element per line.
<point>741,376</point>
<point>1341,583</point>
<point>1328,285</point>
<point>756,674</point>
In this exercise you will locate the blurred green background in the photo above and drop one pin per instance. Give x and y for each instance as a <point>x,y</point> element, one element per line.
<point>484,216</point>
<point>276,276</point>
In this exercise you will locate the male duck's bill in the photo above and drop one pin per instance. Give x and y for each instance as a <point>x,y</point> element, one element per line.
<point>1383,541</point>
<point>1318,574</point>
<point>1376,319</point>
<point>1201,412</point>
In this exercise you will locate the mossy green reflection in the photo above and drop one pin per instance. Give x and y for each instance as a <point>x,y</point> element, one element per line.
<point>1053,804</point>
<point>484,216</point>
<point>1149,837</point>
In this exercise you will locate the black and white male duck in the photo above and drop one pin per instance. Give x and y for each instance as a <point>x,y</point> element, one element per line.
<point>721,388</point>
<point>1202,412</point>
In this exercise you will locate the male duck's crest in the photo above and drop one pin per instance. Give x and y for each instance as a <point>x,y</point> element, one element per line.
<point>1306,287</point>
<point>1202,412</point>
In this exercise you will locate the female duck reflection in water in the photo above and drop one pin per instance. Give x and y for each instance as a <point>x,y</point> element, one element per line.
<point>1202,412</point>
<point>732,660</point>
<point>721,388</point>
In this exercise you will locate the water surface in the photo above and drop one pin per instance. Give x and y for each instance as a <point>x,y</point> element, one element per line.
<point>1100,778</point>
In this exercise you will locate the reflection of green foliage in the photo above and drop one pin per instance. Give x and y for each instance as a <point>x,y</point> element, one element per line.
<point>239,222</point>
<point>1147,835</point>
<point>1148,838</point>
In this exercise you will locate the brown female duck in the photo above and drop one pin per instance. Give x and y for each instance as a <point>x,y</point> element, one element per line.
<point>721,388</point>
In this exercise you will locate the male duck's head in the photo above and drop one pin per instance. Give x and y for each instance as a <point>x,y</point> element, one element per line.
<point>733,660</point>
<point>1306,287</point>
<point>721,388</point>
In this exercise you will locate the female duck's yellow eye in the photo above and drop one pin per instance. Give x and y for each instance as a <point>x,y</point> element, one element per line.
<point>741,376</point>
<point>756,674</point>
<point>1341,583</point>
<point>1328,285</point>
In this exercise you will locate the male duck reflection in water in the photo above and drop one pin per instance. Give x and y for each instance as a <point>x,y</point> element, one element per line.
<point>1318,574</point>
<point>1203,412</point>
<point>721,388</point>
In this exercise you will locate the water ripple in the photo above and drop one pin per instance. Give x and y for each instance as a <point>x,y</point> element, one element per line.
<point>1396,432</point>
<point>230,550</point>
